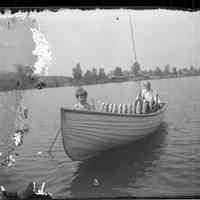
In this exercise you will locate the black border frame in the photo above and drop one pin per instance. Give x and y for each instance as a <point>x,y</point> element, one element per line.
<point>55,5</point>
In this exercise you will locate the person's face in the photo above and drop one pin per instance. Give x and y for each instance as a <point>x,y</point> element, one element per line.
<point>82,98</point>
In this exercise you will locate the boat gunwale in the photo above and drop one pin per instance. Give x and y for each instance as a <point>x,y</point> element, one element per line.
<point>64,110</point>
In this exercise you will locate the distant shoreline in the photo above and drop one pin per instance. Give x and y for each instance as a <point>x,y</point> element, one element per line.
<point>134,80</point>
<point>73,83</point>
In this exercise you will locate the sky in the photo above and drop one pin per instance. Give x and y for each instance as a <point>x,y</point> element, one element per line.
<point>102,38</point>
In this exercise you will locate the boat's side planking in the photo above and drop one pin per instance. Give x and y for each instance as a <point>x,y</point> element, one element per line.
<point>85,134</point>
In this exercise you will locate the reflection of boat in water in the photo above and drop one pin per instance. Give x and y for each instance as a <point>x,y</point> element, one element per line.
<point>87,134</point>
<point>119,169</point>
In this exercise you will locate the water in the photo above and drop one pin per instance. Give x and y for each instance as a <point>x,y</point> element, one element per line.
<point>165,163</point>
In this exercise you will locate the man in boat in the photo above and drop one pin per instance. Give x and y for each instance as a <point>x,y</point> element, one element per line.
<point>82,104</point>
<point>150,100</point>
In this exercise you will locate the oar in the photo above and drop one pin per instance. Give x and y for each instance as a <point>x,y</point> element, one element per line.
<point>52,144</point>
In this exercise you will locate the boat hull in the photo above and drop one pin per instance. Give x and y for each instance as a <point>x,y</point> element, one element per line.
<point>86,134</point>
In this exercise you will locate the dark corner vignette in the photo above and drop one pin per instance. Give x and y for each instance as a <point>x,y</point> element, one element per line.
<point>55,5</point>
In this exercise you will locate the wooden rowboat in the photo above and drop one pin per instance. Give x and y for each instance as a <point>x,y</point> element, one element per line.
<point>85,134</point>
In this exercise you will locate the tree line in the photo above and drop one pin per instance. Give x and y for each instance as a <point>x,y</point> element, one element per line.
<point>90,76</point>
<point>24,78</point>
<point>98,75</point>
<point>21,78</point>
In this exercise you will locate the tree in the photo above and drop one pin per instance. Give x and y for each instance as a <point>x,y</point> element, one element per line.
<point>180,71</point>
<point>174,70</point>
<point>102,74</point>
<point>25,75</point>
<point>88,77</point>
<point>192,69</point>
<point>24,70</point>
<point>167,69</point>
<point>185,70</point>
<point>135,68</point>
<point>77,72</point>
<point>117,71</point>
<point>150,72</point>
<point>158,71</point>
<point>94,74</point>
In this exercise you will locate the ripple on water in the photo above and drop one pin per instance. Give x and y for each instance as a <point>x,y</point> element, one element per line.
<point>166,163</point>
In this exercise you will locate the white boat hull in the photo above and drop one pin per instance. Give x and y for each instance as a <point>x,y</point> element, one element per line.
<point>86,134</point>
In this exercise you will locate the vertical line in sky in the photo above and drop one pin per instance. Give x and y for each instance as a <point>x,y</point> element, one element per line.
<point>132,36</point>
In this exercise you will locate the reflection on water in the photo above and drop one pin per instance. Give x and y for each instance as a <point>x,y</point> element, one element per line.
<point>117,168</point>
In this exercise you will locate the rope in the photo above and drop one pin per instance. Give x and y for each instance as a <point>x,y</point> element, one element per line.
<point>52,144</point>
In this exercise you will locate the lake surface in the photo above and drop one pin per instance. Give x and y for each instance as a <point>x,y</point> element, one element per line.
<point>165,163</point>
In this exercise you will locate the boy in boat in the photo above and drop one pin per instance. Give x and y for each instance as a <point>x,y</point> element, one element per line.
<point>82,104</point>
